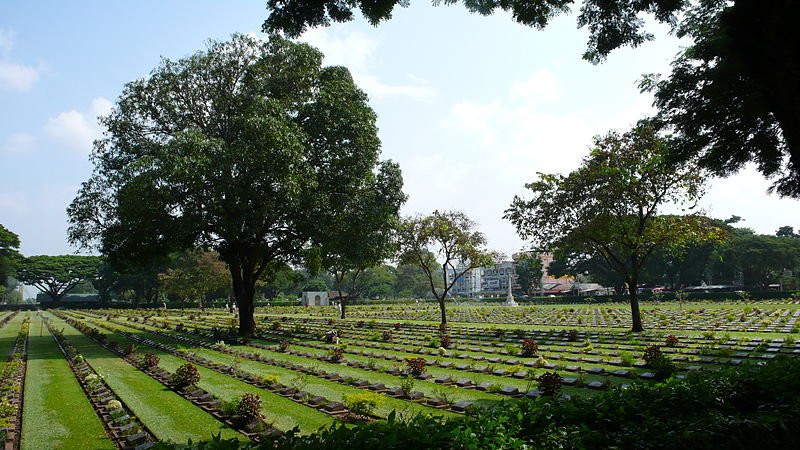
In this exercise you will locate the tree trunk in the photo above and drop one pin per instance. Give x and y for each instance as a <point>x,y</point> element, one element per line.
<point>444,313</point>
<point>244,289</point>
<point>341,303</point>
<point>636,316</point>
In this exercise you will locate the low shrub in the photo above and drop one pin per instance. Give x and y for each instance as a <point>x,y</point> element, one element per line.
<point>248,409</point>
<point>363,404</point>
<point>529,347</point>
<point>736,407</point>
<point>186,375</point>
<point>150,360</point>
<point>550,383</point>
<point>407,383</point>
<point>269,380</point>
<point>416,366</point>
<point>573,336</point>
<point>671,341</point>
<point>336,354</point>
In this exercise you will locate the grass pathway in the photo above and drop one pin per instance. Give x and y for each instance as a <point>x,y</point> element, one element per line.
<point>329,389</point>
<point>168,415</point>
<point>57,414</point>
<point>8,335</point>
<point>283,412</point>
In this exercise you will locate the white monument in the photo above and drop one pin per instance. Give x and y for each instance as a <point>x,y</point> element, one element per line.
<point>510,298</point>
<point>315,298</point>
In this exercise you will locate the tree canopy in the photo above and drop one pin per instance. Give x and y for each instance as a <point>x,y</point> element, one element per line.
<point>56,275</point>
<point>529,272</point>
<point>609,206</point>
<point>361,234</point>
<point>9,253</point>
<point>448,240</point>
<point>244,148</point>
<point>733,95</point>
<point>611,24</point>
<point>193,274</point>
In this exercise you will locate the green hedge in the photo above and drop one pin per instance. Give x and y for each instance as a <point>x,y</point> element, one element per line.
<point>742,407</point>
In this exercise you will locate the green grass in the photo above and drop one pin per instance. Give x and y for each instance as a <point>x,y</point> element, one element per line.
<point>8,335</point>
<point>335,391</point>
<point>282,412</point>
<point>315,386</point>
<point>57,414</point>
<point>168,415</point>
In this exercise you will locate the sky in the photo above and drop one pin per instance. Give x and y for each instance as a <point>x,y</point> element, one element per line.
<point>471,107</point>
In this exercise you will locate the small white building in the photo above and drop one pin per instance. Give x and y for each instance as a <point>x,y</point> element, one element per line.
<point>315,299</point>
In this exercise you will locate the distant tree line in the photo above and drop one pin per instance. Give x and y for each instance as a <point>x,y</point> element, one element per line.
<point>744,258</point>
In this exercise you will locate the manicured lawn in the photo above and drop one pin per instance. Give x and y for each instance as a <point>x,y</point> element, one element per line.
<point>282,412</point>
<point>8,335</point>
<point>165,413</point>
<point>332,390</point>
<point>57,414</point>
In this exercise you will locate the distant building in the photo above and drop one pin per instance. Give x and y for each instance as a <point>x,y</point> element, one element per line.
<point>467,284</point>
<point>314,298</point>
<point>481,281</point>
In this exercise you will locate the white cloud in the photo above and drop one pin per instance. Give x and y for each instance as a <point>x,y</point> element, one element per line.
<point>78,130</point>
<point>542,85</point>
<point>17,77</point>
<point>6,41</point>
<point>355,50</point>
<point>20,143</point>
<point>13,75</point>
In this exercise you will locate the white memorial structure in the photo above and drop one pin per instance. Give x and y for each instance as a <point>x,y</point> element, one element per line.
<point>315,298</point>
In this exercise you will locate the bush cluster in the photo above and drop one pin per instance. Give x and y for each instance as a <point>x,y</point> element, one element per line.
<point>529,347</point>
<point>737,407</point>
<point>186,375</point>
<point>416,366</point>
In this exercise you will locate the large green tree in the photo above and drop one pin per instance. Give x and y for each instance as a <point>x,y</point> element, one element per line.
<point>733,94</point>
<point>361,234</point>
<point>56,275</point>
<point>194,274</point>
<point>755,260</point>
<point>448,241</point>
<point>241,148</point>
<point>609,206</point>
<point>529,272</point>
<point>411,282</point>
<point>9,254</point>
<point>611,23</point>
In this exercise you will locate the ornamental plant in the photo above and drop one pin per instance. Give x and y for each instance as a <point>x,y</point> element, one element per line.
<point>572,335</point>
<point>445,341</point>
<point>336,354</point>
<point>651,354</point>
<point>549,383</point>
<point>662,366</point>
<point>416,366</point>
<point>671,341</point>
<point>387,336</point>
<point>407,383</point>
<point>248,409</point>
<point>283,346</point>
<point>529,347</point>
<point>363,404</point>
<point>186,375</point>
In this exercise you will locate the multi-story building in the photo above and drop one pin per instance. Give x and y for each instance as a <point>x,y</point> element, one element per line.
<point>468,284</point>
<point>495,279</point>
